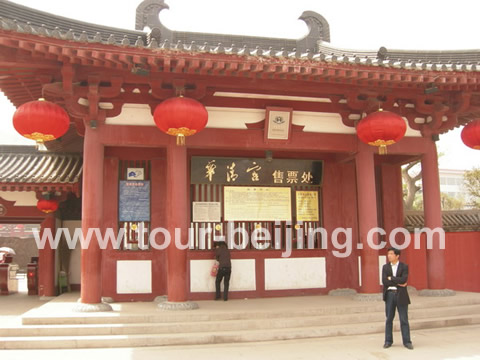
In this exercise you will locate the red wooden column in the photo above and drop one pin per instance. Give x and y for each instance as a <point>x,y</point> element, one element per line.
<point>367,216</point>
<point>92,217</point>
<point>46,260</point>
<point>432,206</point>
<point>177,217</point>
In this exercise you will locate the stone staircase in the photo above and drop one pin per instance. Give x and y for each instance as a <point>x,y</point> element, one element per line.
<point>245,323</point>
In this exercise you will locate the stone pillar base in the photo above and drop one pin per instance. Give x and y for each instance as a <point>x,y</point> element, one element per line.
<point>99,307</point>
<point>187,305</point>
<point>107,299</point>
<point>368,297</point>
<point>437,292</point>
<point>160,299</point>
<point>342,292</point>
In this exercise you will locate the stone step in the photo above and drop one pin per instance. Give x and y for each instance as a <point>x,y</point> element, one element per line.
<point>158,316</point>
<point>222,336</point>
<point>226,325</point>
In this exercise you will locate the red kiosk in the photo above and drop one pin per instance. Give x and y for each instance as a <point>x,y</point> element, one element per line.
<point>269,101</point>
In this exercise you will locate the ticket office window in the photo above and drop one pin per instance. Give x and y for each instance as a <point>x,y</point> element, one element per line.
<point>303,234</point>
<point>276,202</point>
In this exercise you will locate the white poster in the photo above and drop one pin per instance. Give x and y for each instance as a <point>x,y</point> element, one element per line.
<point>206,211</point>
<point>247,203</point>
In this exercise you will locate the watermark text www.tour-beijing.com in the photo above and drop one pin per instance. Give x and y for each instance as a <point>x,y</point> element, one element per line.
<point>341,239</point>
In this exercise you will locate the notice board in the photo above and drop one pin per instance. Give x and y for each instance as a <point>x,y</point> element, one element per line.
<point>248,203</point>
<point>134,200</point>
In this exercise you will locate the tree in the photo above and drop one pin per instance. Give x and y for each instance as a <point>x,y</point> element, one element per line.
<point>472,184</point>
<point>412,196</point>
<point>410,185</point>
<point>451,202</point>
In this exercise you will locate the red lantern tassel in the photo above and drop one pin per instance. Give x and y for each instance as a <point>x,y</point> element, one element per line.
<point>181,140</point>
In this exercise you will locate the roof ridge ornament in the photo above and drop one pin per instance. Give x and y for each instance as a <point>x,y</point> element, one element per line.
<point>148,14</point>
<point>318,27</point>
<point>148,19</point>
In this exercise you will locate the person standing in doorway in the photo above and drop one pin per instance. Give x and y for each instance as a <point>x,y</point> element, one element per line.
<point>395,295</point>
<point>222,254</point>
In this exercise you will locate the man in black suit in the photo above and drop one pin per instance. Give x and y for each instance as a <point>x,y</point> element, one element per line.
<point>395,295</point>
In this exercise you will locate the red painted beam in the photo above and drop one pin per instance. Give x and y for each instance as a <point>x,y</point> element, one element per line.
<point>147,136</point>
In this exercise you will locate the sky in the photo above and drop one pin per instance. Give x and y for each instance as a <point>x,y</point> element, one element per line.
<point>370,24</point>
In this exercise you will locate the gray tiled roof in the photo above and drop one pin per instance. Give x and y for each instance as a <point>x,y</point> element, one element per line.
<point>148,11</point>
<point>444,60</point>
<point>38,19</point>
<point>314,46</point>
<point>26,165</point>
<point>453,220</point>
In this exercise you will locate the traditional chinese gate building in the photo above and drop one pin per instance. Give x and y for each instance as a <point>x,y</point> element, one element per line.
<point>289,106</point>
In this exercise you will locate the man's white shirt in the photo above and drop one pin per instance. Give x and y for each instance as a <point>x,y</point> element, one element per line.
<point>394,272</point>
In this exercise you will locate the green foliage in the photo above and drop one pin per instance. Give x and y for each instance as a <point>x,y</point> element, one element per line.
<point>452,203</point>
<point>472,184</point>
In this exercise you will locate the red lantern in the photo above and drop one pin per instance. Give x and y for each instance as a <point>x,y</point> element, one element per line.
<point>471,134</point>
<point>41,121</point>
<point>180,117</point>
<point>381,128</point>
<point>47,206</point>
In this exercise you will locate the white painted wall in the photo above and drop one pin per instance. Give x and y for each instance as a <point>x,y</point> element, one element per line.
<point>382,260</point>
<point>295,273</point>
<point>134,277</point>
<point>21,198</point>
<point>236,118</point>
<point>242,278</point>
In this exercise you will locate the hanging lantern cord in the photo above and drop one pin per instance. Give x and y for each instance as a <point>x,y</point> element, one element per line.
<point>180,91</point>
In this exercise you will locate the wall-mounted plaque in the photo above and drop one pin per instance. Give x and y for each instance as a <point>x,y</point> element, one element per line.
<point>206,211</point>
<point>278,123</point>
<point>246,203</point>
<point>255,171</point>
<point>134,200</point>
<point>307,205</point>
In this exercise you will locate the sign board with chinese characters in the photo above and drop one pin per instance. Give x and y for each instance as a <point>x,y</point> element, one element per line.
<point>206,211</point>
<point>307,205</point>
<point>134,200</point>
<point>247,203</point>
<point>255,171</point>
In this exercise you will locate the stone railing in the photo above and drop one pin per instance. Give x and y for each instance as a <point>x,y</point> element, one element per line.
<point>453,220</point>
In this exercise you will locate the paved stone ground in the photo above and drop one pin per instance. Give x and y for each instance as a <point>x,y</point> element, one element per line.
<point>459,343</point>
<point>455,343</point>
<point>14,305</point>
<point>62,305</point>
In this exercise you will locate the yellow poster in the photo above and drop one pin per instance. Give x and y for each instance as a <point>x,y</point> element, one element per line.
<point>247,203</point>
<point>307,205</point>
